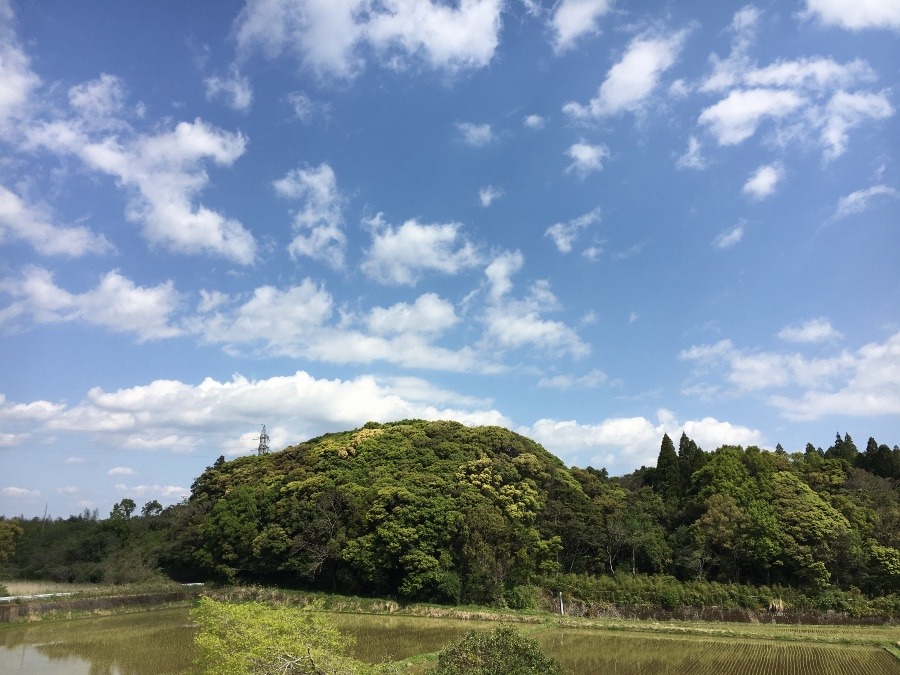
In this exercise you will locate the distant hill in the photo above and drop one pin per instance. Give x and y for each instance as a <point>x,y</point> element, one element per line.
<point>439,511</point>
<point>426,510</point>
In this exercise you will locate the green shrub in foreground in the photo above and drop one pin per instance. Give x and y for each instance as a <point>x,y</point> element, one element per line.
<point>253,638</point>
<point>501,651</point>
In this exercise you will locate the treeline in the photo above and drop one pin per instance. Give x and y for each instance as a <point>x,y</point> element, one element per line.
<point>437,511</point>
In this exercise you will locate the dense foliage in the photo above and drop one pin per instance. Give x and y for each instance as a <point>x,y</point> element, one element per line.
<point>438,511</point>
<point>501,651</point>
<point>260,639</point>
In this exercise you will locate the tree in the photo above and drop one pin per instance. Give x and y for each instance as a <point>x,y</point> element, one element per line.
<point>668,477</point>
<point>128,506</point>
<point>10,534</point>
<point>151,508</point>
<point>259,639</point>
<point>501,651</point>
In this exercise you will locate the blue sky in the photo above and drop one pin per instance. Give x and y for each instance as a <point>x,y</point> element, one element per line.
<point>590,221</point>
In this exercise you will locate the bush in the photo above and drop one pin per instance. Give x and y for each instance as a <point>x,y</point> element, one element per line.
<point>522,597</point>
<point>502,651</point>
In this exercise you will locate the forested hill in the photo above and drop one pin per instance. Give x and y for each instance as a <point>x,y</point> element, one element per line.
<point>441,511</point>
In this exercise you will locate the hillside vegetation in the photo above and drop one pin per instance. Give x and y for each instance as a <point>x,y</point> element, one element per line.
<point>437,511</point>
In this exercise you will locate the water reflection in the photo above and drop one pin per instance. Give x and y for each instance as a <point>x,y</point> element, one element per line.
<point>147,643</point>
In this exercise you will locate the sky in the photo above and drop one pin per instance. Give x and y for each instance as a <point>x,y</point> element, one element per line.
<point>593,222</point>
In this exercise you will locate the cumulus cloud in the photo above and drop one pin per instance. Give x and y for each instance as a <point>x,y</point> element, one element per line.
<point>330,36</point>
<point>234,88</point>
<point>120,471</point>
<point>590,380</point>
<point>623,443</point>
<point>428,314</point>
<point>99,102</point>
<point>32,224</point>
<point>17,80</point>
<point>729,238</point>
<point>401,255</point>
<point>488,195</point>
<point>737,117</point>
<point>764,181</point>
<point>117,303</point>
<point>586,158</point>
<point>860,200</point>
<point>164,174</point>
<point>813,98</point>
<point>319,222</point>
<point>572,19</point>
<point>855,14</point>
<point>513,323</point>
<point>633,79</point>
<point>475,135</point>
<point>20,492</point>
<point>692,158</point>
<point>845,111</point>
<point>565,234</point>
<point>534,122</point>
<point>861,383</point>
<point>815,330</point>
<point>304,405</point>
<point>300,322</point>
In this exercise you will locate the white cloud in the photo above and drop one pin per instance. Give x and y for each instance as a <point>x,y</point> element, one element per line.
<point>20,493</point>
<point>120,471</point>
<point>319,223</point>
<point>729,238</point>
<point>859,201</point>
<point>845,111</point>
<point>234,88</point>
<point>19,220</point>
<point>586,158</point>
<point>304,108</point>
<point>764,181</point>
<point>727,72</point>
<point>803,97</point>
<point>815,330</point>
<point>633,79</point>
<point>591,380</point>
<point>429,314</point>
<point>211,413</point>
<point>280,318</point>
<point>329,36</point>
<point>400,255</point>
<point>165,175</point>
<point>691,159</point>
<point>861,384</point>
<point>623,443</point>
<point>814,73</point>
<point>869,386</point>
<point>74,460</point>
<point>446,37</point>
<point>574,18</point>
<point>488,195</point>
<point>512,323</point>
<point>99,102</point>
<point>17,80</point>
<point>116,303</point>
<point>475,135</point>
<point>737,117</point>
<point>856,14</point>
<point>565,234</point>
<point>534,122</point>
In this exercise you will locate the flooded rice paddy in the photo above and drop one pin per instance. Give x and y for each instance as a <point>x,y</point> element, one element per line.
<point>160,642</point>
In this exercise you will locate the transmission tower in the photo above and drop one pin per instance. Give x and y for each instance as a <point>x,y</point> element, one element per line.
<point>263,442</point>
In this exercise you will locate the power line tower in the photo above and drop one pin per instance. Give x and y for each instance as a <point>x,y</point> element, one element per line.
<point>263,442</point>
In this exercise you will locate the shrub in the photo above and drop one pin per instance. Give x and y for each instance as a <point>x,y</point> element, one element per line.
<point>502,651</point>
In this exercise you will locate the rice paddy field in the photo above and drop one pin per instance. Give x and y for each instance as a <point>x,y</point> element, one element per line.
<point>160,642</point>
